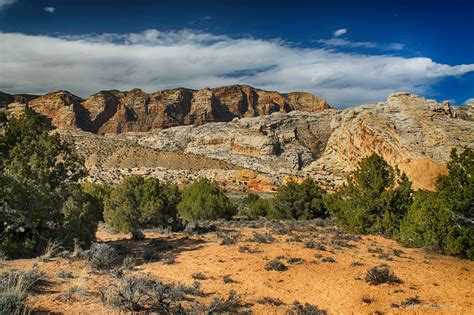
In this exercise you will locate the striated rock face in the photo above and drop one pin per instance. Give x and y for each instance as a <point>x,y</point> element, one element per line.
<point>137,111</point>
<point>407,130</point>
<point>254,139</point>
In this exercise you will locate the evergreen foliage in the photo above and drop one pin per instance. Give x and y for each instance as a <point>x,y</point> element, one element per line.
<point>40,199</point>
<point>138,203</point>
<point>204,200</point>
<point>444,220</point>
<point>256,206</point>
<point>374,200</point>
<point>298,201</point>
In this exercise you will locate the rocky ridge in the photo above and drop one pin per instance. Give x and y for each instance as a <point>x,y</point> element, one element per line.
<point>137,111</point>
<point>259,153</point>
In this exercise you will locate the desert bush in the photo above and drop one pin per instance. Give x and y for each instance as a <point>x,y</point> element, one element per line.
<point>227,279</point>
<point>375,198</point>
<point>102,257</point>
<point>131,294</point>
<point>204,200</point>
<point>70,294</point>
<point>128,263</point>
<point>298,201</point>
<point>305,309</point>
<point>14,288</point>
<point>147,295</point>
<point>231,304</point>
<point>256,206</point>
<point>327,260</point>
<point>444,220</point>
<point>229,238</point>
<point>138,203</point>
<point>265,238</point>
<point>199,276</point>
<point>314,245</point>
<point>248,250</point>
<point>276,264</point>
<point>367,299</point>
<point>52,249</point>
<point>40,198</point>
<point>169,260</point>
<point>64,274</point>
<point>266,300</point>
<point>414,300</point>
<point>381,274</point>
<point>137,235</point>
<point>295,260</point>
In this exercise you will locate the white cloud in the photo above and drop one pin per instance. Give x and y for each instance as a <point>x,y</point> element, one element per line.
<point>340,42</point>
<point>4,3</point>
<point>50,9</point>
<point>340,32</point>
<point>154,60</point>
<point>469,100</point>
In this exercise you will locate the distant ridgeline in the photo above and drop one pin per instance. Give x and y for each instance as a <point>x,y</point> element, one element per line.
<point>117,112</point>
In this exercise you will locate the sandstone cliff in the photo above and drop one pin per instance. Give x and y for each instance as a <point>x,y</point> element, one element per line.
<point>135,110</point>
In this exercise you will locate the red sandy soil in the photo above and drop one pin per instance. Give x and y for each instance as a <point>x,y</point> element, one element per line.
<point>444,284</point>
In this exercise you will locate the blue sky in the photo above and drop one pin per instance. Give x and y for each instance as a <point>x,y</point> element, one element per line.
<point>349,52</point>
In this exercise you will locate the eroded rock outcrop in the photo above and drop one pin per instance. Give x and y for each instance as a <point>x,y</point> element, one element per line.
<point>253,139</point>
<point>137,111</point>
<point>407,130</point>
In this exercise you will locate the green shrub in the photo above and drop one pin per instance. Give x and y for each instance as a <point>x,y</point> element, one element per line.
<point>81,215</point>
<point>443,220</point>
<point>374,200</point>
<point>204,200</point>
<point>39,194</point>
<point>298,201</point>
<point>256,206</point>
<point>100,192</point>
<point>138,203</point>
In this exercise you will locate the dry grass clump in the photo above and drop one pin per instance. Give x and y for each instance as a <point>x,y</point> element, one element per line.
<point>381,274</point>
<point>102,258</point>
<point>231,304</point>
<point>266,300</point>
<point>411,301</point>
<point>264,238</point>
<point>305,309</point>
<point>14,288</point>
<point>276,265</point>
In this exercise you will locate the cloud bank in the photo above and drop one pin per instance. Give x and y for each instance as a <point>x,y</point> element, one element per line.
<point>154,60</point>
<point>4,3</point>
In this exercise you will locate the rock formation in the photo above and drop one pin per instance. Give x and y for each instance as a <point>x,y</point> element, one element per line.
<point>135,110</point>
<point>254,139</point>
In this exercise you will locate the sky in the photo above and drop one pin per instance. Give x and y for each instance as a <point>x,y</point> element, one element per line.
<point>348,52</point>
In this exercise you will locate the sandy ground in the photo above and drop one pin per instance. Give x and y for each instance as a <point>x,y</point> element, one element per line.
<point>445,285</point>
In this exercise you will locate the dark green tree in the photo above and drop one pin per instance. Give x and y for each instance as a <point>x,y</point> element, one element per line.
<point>444,220</point>
<point>138,203</point>
<point>100,192</point>
<point>256,206</point>
<point>204,200</point>
<point>375,198</point>
<point>38,172</point>
<point>299,201</point>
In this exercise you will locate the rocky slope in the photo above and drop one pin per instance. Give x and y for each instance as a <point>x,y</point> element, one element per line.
<point>261,152</point>
<point>135,110</point>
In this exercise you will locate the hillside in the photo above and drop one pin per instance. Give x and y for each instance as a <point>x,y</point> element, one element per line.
<point>248,138</point>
